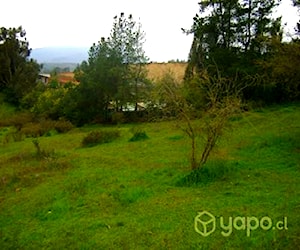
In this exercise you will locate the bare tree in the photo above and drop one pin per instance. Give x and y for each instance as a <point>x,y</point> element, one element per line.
<point>218,100</point>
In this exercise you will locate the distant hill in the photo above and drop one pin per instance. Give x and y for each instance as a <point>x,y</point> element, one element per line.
<point>60,54</point>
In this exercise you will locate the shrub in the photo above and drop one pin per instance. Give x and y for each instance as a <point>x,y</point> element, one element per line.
<point>138,135</point>
<point>100,137</point>
<point>19,120</point>
<point>32,130</point>
<point>49,103</point>
<point>43,127</point>
<point>212,171</point>
<point>36,129</point>
<point>63,126</point>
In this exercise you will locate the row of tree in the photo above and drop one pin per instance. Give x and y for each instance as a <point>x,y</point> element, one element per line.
<point>242,41</point>
<point>237,40</point>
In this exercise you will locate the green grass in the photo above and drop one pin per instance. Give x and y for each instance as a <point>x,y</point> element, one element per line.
<point>124,195</point>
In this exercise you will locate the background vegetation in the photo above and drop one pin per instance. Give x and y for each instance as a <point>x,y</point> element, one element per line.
<point>120,159</point>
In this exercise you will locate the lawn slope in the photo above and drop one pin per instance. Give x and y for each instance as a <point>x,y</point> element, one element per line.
<point>127,195</point>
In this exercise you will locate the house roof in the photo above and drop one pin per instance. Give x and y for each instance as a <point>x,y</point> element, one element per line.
<point>45,75</point>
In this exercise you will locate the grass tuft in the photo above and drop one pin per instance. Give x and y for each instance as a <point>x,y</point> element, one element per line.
<point>138,135</point>
<point>130,195</point>
<point>212,171</point>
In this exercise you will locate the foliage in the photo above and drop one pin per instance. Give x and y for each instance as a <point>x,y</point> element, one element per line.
<point>40,152</point>
<point>13,136</point>
<point>284,75</point>
<point>31,98</point>
<point>44,127</point>
<point>49,103</point>
<point>232,37</point>
<point>25,124</point>
<point>212,172</point>
<point>18,120</point>
<point>100,137</point>
<point>219,102</point>
<point>114,73</point>
<point>18,74</point>
<point>35,129</point>
<point>63,126</point>
<point>297,4</point>
<point>138,135</point>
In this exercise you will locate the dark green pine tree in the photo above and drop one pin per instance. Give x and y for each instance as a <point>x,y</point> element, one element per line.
<point>18,73</point>
<point>231,35</point>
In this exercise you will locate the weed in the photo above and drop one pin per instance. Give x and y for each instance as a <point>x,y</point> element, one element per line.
<point>212,171</point>
<point>42,153</point>
<point>15,136</point>
<point>138,135</point>
<point>100,137</point>
<point>127,196</point>
<point>175,137</point>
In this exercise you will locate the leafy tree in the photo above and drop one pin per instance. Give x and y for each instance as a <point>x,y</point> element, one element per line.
<point>284,75</point>
<point>18,74</point>
<point>222,102</point>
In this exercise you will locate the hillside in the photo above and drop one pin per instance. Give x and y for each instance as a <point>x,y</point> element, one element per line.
<point>130,195</point>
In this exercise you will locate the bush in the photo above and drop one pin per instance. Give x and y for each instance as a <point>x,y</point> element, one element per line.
<point>36,129</point>
<point>63,126</point>
<point>100,137</point>
<point>32,130</point>
<point>43,127</point>
<point>49,103</point>
<point>138,135</point>
<point>210,172</point>
<point>19,120</point>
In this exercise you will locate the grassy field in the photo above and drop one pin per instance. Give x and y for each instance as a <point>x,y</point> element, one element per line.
<point>130,195</point>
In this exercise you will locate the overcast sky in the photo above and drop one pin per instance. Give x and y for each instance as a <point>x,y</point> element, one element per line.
<point>83,22</point>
